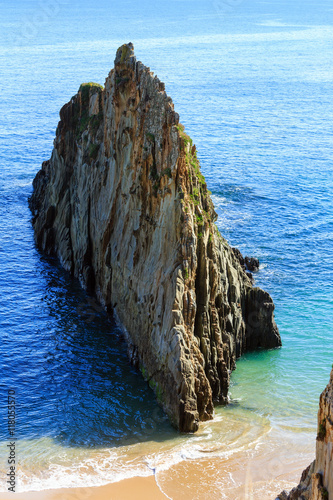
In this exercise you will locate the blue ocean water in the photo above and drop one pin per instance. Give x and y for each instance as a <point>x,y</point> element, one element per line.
<point>252,82</point>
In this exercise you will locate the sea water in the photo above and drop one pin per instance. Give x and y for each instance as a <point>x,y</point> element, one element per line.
<point>252,82</point>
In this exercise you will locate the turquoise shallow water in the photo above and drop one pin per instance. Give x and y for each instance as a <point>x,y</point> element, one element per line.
<point>253,84</point>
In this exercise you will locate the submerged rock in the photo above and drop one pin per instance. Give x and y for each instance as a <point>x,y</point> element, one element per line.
<point>124,206</point>
<point>317,480</point>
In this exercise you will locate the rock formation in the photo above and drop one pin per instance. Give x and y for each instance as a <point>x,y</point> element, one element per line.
<point>317,480</point>
<point>124,206</point>
<point>247,263</point>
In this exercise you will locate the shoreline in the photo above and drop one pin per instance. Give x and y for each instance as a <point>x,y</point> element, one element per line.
<point>251,465</point>
<point>189,480</point>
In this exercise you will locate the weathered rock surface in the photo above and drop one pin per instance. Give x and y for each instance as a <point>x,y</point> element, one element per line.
<point>317,480</point>
<point>123,205</point>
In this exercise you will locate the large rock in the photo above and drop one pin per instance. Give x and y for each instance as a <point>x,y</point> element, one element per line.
<point>317,480</point>
<point>124,206</point>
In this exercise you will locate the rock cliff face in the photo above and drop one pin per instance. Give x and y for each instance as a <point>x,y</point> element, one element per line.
<point>123,205</point>
<point>317,480</point>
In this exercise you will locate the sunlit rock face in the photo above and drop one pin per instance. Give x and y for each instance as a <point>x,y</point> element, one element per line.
<point>124,206</point>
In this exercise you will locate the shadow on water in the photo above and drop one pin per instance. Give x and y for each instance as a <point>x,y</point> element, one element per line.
<point>72,375</point>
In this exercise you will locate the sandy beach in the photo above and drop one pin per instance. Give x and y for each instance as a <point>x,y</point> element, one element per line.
<point>257,469</point>
<point>140,488</point>
<point>193,480</point>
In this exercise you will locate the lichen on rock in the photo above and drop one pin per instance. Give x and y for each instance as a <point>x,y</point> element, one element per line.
<point>124,206</point>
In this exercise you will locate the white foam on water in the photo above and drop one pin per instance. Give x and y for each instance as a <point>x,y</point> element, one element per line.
<point>88,473</point>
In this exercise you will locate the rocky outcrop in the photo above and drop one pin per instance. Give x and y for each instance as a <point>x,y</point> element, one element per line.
<point>317,480</point>
<point>124,206</point>
<point>247,263</point>
<point>252,264</point>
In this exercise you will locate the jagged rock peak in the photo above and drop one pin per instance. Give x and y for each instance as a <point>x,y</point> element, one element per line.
<point>125,54</point>
<point>123,204</point>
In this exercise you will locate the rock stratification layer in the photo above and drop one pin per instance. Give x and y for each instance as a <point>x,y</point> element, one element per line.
<point>317,480</point>
<point>123,205</point>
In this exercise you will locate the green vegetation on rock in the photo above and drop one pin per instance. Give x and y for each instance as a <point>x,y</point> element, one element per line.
<point>324,493</point>
<point>321,431</point>
<point>89,88</point>
<point>93,151</point>
<point>197,195</point>
<point>167,171</point>
<point>81,117</point>
<point>125,50</point>
<point>150,137</point>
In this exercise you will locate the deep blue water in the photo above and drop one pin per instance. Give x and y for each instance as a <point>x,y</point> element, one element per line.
<point>252,82</point>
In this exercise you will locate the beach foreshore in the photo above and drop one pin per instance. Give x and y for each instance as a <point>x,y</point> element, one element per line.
<point>140,488</point>
<point>259,471</point>
<point>189,480</point>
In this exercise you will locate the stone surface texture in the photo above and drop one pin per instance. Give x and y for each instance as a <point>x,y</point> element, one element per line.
<point>122,203</point>
<point>317,480</point>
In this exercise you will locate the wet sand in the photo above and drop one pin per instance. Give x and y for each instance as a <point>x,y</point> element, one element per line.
<point>138,488</point>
